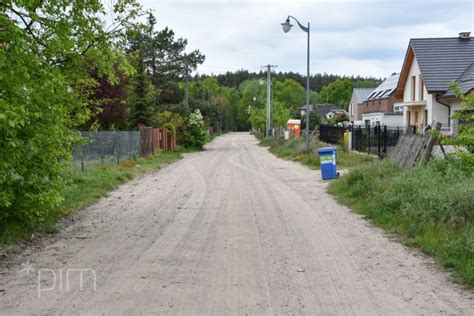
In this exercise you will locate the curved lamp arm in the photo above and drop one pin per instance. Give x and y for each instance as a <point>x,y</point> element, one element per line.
<point>304,28</point>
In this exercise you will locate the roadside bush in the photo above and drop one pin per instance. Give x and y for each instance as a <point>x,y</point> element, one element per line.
<point>432,206</point>
<point>295,149</point>
<point>170,128</point>
<point>45,94</point>
<point>466,118</point>
<point>172,121</point>
<point>195,133</point>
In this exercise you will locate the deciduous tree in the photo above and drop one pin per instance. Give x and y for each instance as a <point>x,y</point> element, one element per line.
<point>47,51</point>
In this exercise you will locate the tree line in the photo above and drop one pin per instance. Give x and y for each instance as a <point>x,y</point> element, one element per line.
<point>64,68</point>
<point>316,81</point>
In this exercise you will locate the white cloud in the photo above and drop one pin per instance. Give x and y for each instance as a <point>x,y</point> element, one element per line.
<point>348,37</point>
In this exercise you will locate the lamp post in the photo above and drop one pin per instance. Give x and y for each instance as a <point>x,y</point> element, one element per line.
<point>286,28</point>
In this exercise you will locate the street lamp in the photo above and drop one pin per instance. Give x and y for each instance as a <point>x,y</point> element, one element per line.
<point>286,28</point>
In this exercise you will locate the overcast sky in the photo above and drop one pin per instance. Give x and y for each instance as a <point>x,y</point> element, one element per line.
<point>350,37</point>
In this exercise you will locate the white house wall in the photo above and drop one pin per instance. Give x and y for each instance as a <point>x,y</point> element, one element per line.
<point>393,120</point>
<point>407,93</point>
<point>455,105</point>
<point>439,112</point>
<point>389,120</point>
<point>435,109</point>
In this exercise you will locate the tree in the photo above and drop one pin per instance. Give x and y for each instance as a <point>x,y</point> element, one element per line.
<point>338,92</point>
<point>161,119</point>
<point>47,51</point>
<point>316,81</point>
<point>195,133</point>
<point>465,116</point>
<point>257,119</point>
<point>109,110</point>
<point>141,99</point>
<point>280,114</point>
<point>252,105</point>
<point>314,119</point>
<point>165,59</point>
<point>291,94</point>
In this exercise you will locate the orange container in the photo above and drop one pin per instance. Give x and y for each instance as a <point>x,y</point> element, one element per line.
<point>294,126</point>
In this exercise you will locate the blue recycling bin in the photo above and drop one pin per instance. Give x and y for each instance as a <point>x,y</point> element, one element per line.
<point>327,156</point>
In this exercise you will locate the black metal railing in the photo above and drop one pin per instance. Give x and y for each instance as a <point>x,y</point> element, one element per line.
<point>370,139</point>
<point>331,134</point>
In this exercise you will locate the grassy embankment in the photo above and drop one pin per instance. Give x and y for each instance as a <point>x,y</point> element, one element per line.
<point>85,188</point>
<point>432,207</point>
<point>295,149</point>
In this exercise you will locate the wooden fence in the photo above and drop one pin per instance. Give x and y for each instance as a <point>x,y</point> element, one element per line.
<point>412,147</point>
<point>153,140</point>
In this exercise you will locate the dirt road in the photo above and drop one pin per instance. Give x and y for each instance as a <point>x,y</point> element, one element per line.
<point>232,230</point>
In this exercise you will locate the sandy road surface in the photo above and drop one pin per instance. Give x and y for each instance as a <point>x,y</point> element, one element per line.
<point>232,230</point>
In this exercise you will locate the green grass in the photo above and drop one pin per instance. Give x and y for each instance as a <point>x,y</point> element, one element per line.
<point>432,207</point>
<point>295,149</point>
<point>84,188</point>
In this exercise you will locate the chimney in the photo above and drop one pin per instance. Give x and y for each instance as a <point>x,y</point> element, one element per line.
<point>465,35</point>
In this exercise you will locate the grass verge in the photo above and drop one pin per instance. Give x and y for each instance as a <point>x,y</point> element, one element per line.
<point>84,188</point>
<point>295,149</point>
<point>432,207</point>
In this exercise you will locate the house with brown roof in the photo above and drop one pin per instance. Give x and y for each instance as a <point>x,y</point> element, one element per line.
<point>430,65</point>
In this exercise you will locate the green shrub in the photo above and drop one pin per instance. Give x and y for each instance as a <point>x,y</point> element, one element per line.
<point>195,134</point>
<point>295,149</point>
<point>170,128</point>
<point>45,94</point>
<point>432,206</point>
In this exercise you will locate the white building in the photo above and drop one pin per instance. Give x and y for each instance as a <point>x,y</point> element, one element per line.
<point>430,65</point>
<point>382,118</point>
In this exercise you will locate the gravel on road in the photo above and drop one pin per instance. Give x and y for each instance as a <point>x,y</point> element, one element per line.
<point>231,230</point>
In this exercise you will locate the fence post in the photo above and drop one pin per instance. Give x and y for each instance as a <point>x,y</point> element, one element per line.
<point>368,139</point>
<point>378,131</point>
<point>117,148</point>
<point>426,153</point>
<point>385,140</point>
<point>82,159</point>
<point>129,134</point>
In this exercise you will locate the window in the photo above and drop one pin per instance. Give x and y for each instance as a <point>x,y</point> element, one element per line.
<point>425,118</point>
<point>422,90</point>
<point>413,87</point>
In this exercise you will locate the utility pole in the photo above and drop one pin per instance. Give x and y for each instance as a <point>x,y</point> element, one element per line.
<point>269,96</point>
<point>186,87</point>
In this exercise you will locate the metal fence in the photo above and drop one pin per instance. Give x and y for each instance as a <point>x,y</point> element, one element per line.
<point>331,134</point>
<point>378,140</point>
<point>105,147</point>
